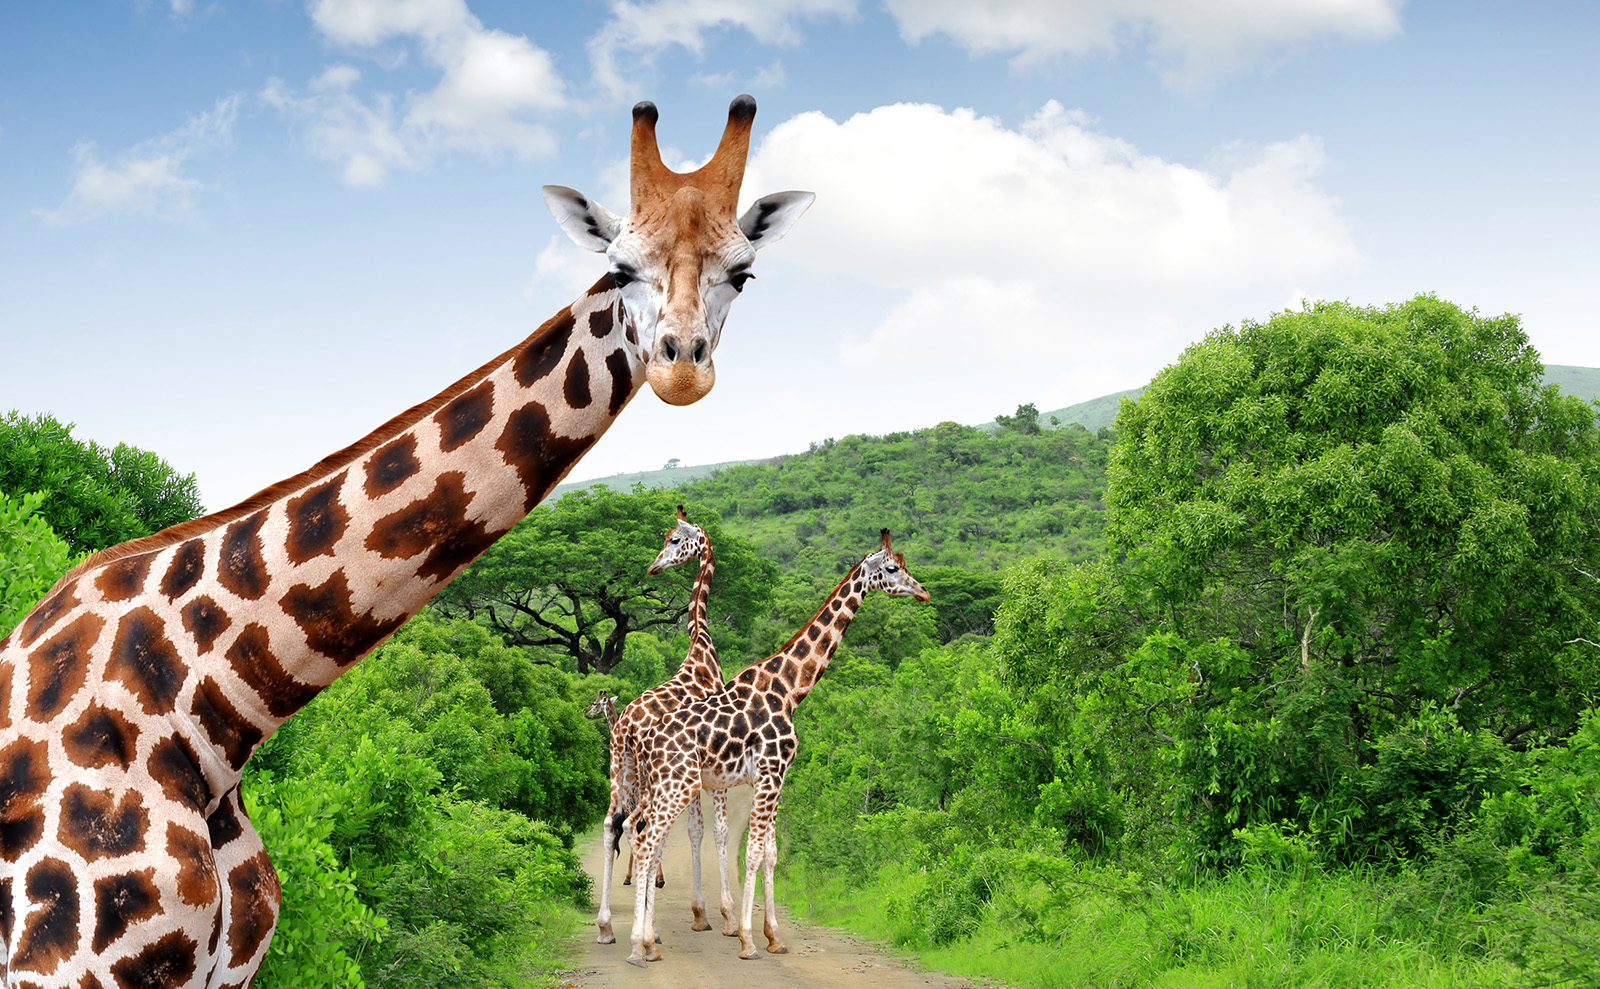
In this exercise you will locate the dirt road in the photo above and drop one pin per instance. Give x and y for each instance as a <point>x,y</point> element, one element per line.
<point>818,958</point>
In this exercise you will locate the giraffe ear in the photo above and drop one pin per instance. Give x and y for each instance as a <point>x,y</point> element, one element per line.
<point>590,225</point>
<point>770,217</point>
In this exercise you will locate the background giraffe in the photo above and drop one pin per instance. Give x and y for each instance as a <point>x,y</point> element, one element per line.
<point>131,696</point>
<point>699,675</point>
<point>744,733</point>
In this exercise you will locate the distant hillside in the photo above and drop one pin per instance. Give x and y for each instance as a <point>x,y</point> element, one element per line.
<point>1093,415</point>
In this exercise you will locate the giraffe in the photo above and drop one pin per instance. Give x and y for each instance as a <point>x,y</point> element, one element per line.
<point>133,694</point>
<point>698,676</point>
<point>744,734</point>
<point>603,706</point>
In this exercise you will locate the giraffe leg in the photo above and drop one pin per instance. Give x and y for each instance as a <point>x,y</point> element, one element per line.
<point>665,803</point>
<point>609,839</point>
<point>769,923</point>
<point>696,826</point>
<point>719,802</point>
<point>754,854</point>
<point>250,894</point>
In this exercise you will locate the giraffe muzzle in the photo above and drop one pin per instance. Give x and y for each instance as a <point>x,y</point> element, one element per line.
<point>679,374</point>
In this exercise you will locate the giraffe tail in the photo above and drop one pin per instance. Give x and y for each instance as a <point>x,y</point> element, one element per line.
<point>617,821</point>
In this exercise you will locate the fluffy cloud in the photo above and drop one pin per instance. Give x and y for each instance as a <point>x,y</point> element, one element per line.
<point>637,30</point>
<point>1050,239</point>
<point>149,178</point>
<point>1192,41</point>
<point>492,88</point>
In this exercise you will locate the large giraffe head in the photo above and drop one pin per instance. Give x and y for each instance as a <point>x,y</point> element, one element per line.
<point>886,571</point>
<point>681,255</point>
<point>685,542</point>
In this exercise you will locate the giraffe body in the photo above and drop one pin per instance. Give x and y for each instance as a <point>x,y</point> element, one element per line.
<point>133,694</point>
<point>744,735</point>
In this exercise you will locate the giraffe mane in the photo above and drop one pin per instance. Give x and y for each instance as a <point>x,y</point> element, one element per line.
<point>323,468</point>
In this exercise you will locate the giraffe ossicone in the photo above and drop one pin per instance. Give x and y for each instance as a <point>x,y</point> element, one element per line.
<point>133,694</point>
<point>743,734</point>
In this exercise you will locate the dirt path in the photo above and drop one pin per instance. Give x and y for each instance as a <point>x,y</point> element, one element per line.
<point>818,958</point>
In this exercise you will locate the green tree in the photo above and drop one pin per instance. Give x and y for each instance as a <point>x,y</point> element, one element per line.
<point>571,577</point>
<point>96,497</point>
<point>32,557</point>
<point>1026,420</point>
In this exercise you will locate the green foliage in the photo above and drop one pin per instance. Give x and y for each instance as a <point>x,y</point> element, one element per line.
<point>96,497</point>
<point>571,577</point>
<point>425,804</point>
<point>953,496</point>
<point>32,557</point>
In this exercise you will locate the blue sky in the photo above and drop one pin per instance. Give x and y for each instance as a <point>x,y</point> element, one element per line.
<point>242,234</point>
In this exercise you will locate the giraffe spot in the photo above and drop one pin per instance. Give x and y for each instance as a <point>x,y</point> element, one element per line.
<point>786,748</point>
<point>45,614</point>
<point>633,337</point>
<point>316,521</point>
<point>101,737</point>
<point>464,416</point>
<point>204,620</point>
<point>216,932</point>
<point>774,664</point>
<point>228,730</point>
<point>824,644</point>
<point>224,826</point>
<point>242,569</point>
<point>601,322</point>
<point>813,632</point>
<point>56,670</point>
<point>122,579</point>
<point>740,727</point>
<point>256,895</point>
<point>197,868</point>
<point>187,567</point>
<point>176,769</point>
<point>439,522</point>
<point>330,624</point>
<point>841,621</point>
<point>782,724</point>
<point>146,661</point>
<point>50,926</point>
<point>122,901</point>
<point>24,777</point>
<point>543,351</point>
<point>621,378</point>
<point>758,716</point>
<point>775,702</point>
<point>802,650</point>
<point>252,659</point>
<point>717,741</point>
<point>90,981</point>
<point>576,389</point>
<point>539,457</point>
<point>168,963</point>
<point>101,824</point>
<point>391,465</point>
<point>721,720</point>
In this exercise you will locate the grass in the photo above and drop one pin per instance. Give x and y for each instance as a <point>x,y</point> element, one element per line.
<point>1256,930</point>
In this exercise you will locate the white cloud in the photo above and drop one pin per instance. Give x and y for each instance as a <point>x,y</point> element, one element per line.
<point>990,241</point>
<point>1192,41</point>
<point>637,31</point>
<point>149,178</point>
<point>492,89</point>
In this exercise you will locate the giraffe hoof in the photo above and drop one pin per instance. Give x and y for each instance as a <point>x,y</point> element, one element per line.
<point>636,960</point>
<point>780,949</point>
<point>627,881</point>
<point>606,938</point>
<point>700,925</point>
<point>750,955</point>
<point>730,932</point>
<point>661,882</point>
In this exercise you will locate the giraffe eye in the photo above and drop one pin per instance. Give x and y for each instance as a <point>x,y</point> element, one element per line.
<point>738,278</point>
<point>894,569</point>
<point>621,277</point>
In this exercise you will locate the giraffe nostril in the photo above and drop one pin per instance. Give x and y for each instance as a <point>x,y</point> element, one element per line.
<point>669,349</point>
<point>700,352</point>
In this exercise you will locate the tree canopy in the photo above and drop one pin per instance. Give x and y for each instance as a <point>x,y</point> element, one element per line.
<point>571,577</point>
<point>96,497</point>
<point>32,557</point>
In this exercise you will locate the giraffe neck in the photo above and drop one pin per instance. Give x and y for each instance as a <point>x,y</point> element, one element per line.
<point>227,625</point>
<point>812,648</point>
<point>700,665</point>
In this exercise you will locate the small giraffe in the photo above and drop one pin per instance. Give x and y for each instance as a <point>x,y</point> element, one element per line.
<point>131,696</point>
<point>744,734</point>
<point>603,706</point>
<point>698,676</point>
